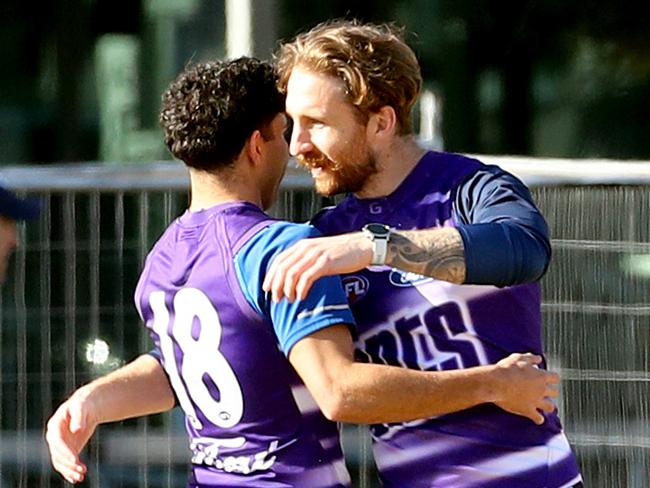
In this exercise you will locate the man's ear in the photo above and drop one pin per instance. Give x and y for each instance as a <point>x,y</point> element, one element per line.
<point>383,122</point>
<point>253,147</point>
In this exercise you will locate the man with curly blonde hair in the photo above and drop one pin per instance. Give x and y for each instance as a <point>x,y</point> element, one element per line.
<point>468,236</point>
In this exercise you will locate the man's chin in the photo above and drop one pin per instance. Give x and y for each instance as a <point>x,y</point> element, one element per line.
<point>328,183</point>
<point>322,190</point>
<point>317,173</point>
<point>326,187</point>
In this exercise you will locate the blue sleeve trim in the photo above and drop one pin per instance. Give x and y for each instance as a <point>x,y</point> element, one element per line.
<point>156,354</point>
<point>326,304</point>
<point>505,236</point>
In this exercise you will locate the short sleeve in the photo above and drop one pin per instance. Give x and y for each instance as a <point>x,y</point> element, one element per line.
<point>326,304</point>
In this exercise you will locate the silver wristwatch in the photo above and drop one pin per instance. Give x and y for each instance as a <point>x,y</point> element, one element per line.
<point>379,234</point>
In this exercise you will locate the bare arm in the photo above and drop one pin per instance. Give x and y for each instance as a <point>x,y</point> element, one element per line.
<point>436,252</point>
<point>502,240</point>
<point>139,388</point>
<point>348,391</point>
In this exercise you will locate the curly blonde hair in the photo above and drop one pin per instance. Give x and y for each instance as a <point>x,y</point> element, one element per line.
<point>374,63</point>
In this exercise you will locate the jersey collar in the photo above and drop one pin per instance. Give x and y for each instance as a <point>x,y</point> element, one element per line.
<point>380,207</point>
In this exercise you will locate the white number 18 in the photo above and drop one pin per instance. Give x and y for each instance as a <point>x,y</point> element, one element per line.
<point>201,356</point>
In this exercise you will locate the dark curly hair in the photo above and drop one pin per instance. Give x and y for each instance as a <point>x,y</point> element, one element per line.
<point>211,108</point>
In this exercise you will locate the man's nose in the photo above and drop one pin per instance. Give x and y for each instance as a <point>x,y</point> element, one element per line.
<point>300,141</point>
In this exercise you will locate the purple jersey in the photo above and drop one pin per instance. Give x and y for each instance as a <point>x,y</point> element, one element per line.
<point>223,345</point>
<point>421,323</point>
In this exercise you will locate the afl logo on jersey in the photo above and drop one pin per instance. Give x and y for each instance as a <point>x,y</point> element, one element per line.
<point>355,287</point>
<point>402,278</point>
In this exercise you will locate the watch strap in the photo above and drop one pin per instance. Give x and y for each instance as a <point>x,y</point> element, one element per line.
<point>379,234</point>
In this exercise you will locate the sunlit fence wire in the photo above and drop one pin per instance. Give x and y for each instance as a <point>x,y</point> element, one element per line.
<point>67,316</point>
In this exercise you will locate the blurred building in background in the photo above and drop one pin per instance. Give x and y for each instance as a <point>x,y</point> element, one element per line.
<point>82,78</point>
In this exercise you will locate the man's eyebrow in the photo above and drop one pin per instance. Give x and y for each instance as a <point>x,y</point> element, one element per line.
<point>311,117</point>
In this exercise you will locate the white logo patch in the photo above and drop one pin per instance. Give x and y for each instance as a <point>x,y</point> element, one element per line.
<point>404,279</point>
<point>355,287</point>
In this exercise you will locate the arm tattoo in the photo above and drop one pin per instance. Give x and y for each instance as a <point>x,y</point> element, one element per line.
<point>438,253</point>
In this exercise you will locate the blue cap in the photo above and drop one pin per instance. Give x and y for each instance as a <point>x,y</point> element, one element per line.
<point>17,208</point>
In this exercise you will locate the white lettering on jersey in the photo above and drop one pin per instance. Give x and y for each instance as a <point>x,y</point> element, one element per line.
<point>201,357</point>
<point>205,450</point>
<point>436,338</point>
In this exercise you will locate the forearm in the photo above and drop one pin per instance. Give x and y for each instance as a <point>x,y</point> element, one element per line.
<point>136,389</point>
<point>348,391</point>
<point>438,253</point>
<point>370,393</point>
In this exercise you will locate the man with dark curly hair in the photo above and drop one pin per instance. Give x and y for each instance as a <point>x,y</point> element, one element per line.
<point>259,381</point>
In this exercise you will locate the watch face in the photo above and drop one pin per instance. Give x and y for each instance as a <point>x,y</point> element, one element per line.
<point>378,229</point>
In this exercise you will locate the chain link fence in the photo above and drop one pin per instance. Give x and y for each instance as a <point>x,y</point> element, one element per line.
<point>66,314</point>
